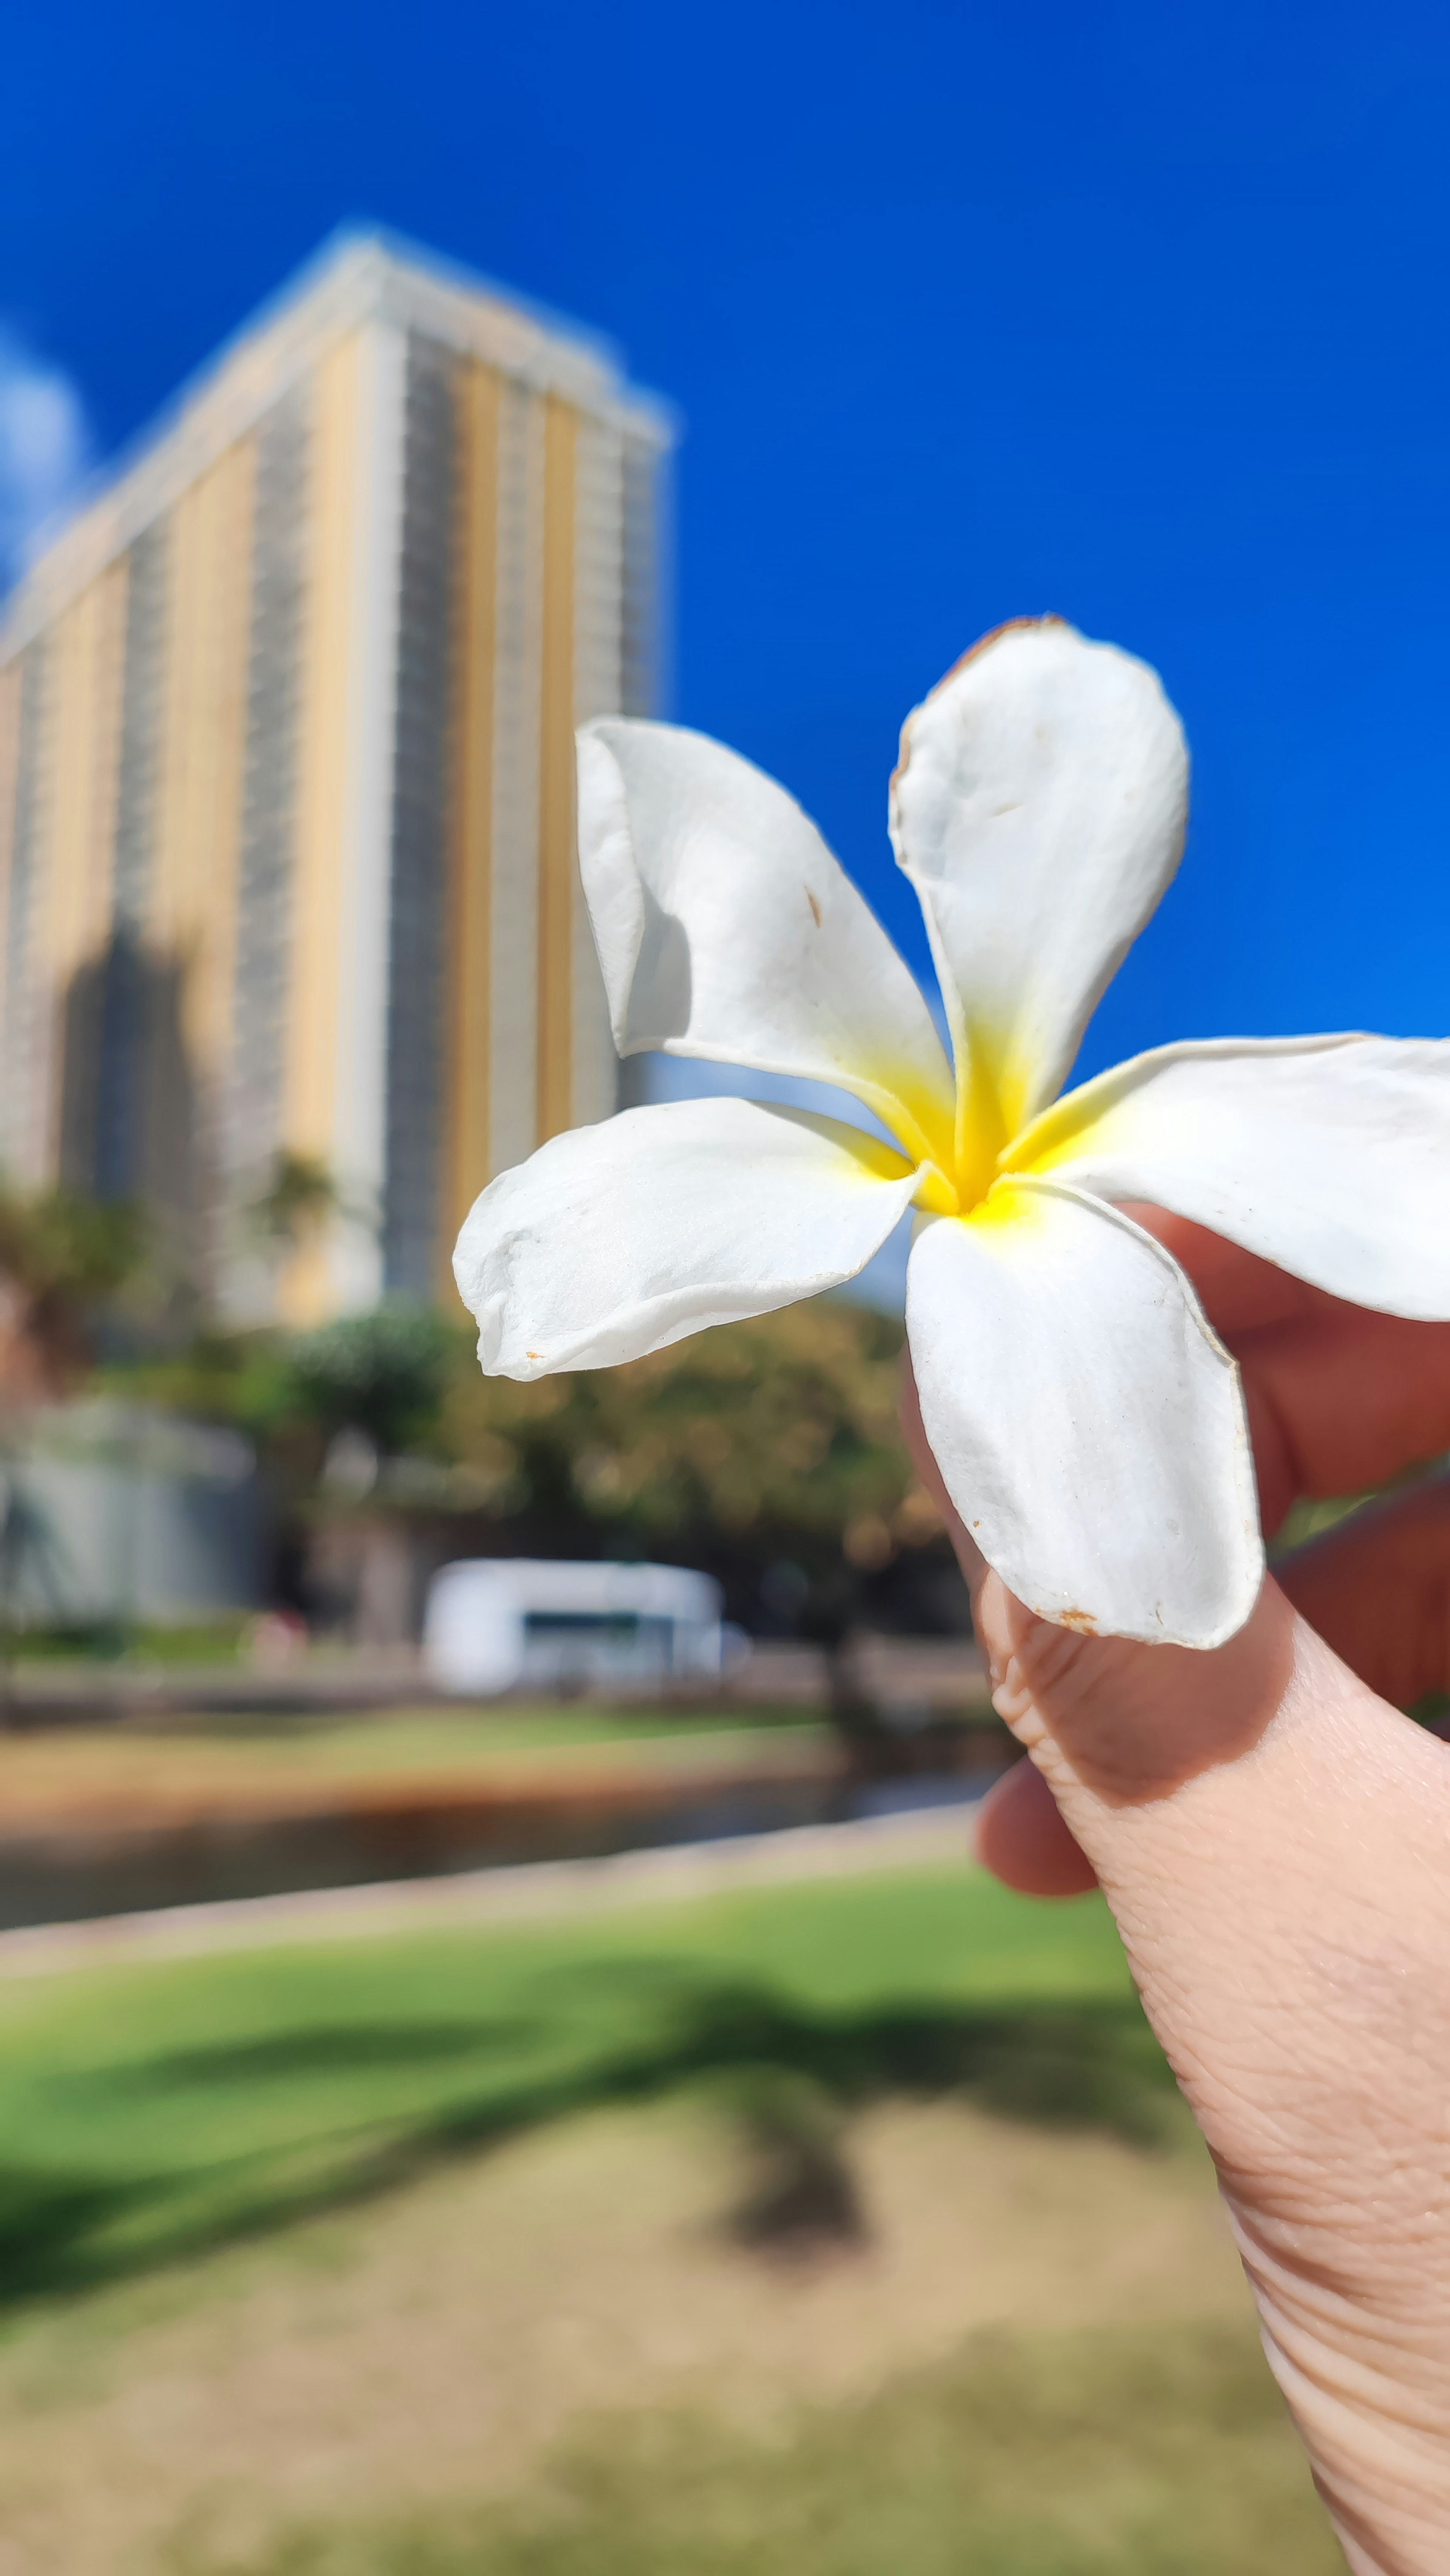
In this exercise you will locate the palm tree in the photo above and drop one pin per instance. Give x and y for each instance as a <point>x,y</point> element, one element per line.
<point>62,1257</point>
<point>301,1194</point>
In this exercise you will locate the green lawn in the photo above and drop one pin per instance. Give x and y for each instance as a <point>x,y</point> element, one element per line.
<point>431,1735</point>
<point>291,2136</point>
<point>148,2112</point>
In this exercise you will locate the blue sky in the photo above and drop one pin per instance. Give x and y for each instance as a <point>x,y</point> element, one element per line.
<point>1137,312</point>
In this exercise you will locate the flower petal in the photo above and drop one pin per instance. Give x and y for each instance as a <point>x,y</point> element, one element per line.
<point>1328,1156</point>
<point>1089,1427</point>
<point>1039,811</point>
<point>726,929</point>
<point>618,1239</point>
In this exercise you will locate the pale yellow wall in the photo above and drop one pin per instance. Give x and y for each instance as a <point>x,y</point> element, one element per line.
<point>10,686</point>
<point>83,756</point>
<point>30,1039</point>
<point>193,884</point>
<point>309,1085</point>
<point>112,591</point>
<point>467,1161</point>
<point>557,861</point>
<point>80,760</point>
<point>598,681</point>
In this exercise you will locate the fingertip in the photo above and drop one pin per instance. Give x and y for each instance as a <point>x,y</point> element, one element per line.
<point>1022,1840</point>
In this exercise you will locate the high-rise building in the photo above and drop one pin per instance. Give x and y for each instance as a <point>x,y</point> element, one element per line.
<point>287,864</point>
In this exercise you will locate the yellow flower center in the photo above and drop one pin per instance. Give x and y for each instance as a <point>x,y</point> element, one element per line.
<point>962,1147</point>
<point>958,1172</point>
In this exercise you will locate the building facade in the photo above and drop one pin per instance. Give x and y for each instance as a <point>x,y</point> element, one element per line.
<point>287,862</point>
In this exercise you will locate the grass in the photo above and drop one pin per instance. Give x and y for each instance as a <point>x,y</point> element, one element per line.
<point>652,2244</point>
<point>50,1771</point>
<point>108,1641</point>
<point>151,2112</point>
<point>1158,2452</point>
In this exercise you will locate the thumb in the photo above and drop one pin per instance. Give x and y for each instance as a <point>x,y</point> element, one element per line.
<point>1272,1840</point>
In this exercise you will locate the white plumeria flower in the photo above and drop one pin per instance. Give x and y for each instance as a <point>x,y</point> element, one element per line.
<point>1089,1427</point>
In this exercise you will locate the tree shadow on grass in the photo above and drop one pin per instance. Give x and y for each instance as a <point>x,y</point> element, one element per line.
<point>635,2032</point>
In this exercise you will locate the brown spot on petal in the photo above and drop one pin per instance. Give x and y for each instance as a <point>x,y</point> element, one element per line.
<point>1082,1620</point>
<point>815,908</point>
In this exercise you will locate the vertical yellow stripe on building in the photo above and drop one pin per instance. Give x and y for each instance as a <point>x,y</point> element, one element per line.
<point>30,1049</point>
<point>166,893</point>
<point>10,686</point>
<point>230,682</point>
<point>111,602</point>
<point>85,747</point>
<point>310,1074</point>
<point>598,638</point>
<point>199,803</point>
<point>84,751</point>
<point>466,1159</point>
<point>60,904</point>
<point>556,774</point>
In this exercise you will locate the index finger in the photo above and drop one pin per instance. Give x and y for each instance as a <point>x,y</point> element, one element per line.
<point>1340,1399</point>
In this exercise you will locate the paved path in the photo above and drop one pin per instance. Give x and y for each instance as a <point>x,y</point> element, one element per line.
<point>538,1889</point>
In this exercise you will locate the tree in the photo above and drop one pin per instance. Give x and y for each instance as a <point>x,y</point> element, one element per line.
<point>768,1452</point>
<point>63,1258</point>
<point>381,1373</point>
<point>300,1196</point>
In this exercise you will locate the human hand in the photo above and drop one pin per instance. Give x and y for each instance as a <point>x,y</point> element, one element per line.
<point>1274,1839</point>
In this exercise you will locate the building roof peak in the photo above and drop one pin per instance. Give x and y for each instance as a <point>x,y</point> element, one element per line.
<point>361,273</point>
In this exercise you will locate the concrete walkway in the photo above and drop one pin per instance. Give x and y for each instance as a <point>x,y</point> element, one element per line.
<point>673,1874</point>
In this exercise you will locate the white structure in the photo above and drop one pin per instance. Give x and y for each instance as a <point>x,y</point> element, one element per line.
<point>502,1623</point>
<point>118,1512</point>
